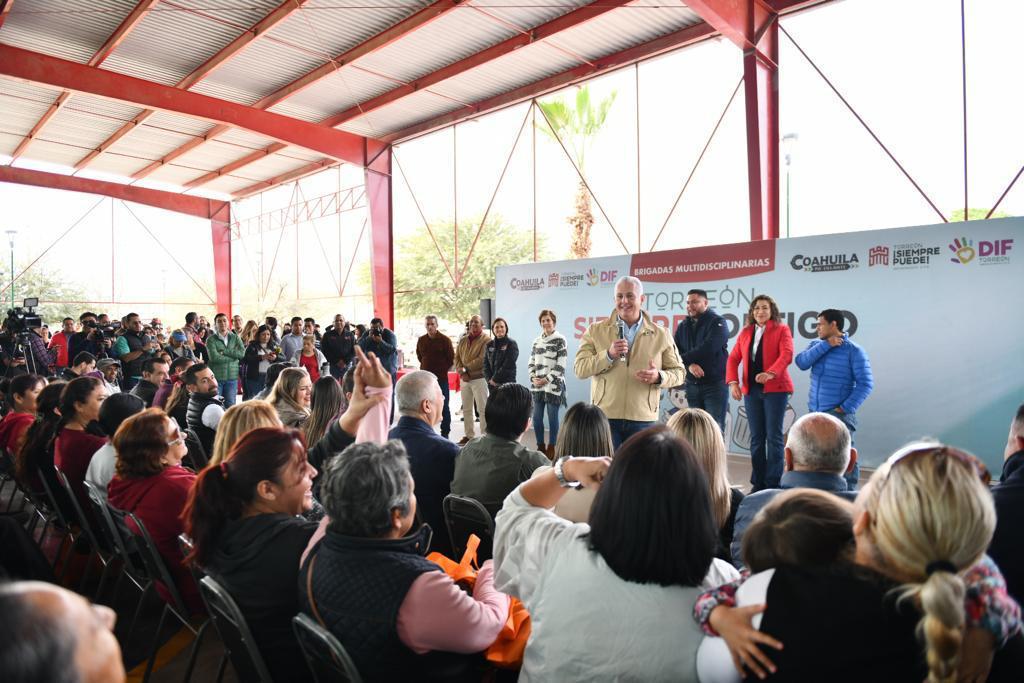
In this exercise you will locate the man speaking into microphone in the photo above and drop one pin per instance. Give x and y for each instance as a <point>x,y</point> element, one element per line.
<point>629,360</point>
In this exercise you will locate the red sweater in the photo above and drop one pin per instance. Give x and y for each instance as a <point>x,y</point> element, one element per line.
<point>777,352</point>
<point>72,452</point>
<point>13,428</point>
<point>310,363</point>
<point>158,501</point>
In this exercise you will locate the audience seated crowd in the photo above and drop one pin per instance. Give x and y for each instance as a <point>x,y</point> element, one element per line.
<point>637,563</point>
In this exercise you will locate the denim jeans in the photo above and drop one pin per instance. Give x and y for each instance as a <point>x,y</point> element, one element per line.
<point>623,429</point>
<point>765,412</point>
<point>539,408</point>
<point>228,389</point>
<point>850,420</point>
<point>254,386</point>
<point>712,397</point>
<point>446,414</point>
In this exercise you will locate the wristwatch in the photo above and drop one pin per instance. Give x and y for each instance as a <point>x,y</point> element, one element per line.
<point>560,474</point>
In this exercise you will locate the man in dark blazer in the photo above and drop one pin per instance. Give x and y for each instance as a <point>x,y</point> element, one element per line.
<point>431,456</point>
<point>701,340</point>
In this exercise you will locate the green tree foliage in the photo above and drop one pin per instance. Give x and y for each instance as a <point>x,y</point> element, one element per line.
<point>975,215</point>
<point>54,290</point>
<point>576,126</point>
<point>418,266</point>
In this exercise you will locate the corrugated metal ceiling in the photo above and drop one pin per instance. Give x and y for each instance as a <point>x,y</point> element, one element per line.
<point>177,36</point>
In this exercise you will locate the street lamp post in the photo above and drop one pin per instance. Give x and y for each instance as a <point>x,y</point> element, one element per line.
<point>789,141</point>
<point>10,240</point>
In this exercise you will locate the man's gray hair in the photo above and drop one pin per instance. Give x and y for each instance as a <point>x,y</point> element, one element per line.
<point>363,485</point>
<point>414,388</point>
<point>431,317</point>
<point>631,280</point>
<point>820,442</point>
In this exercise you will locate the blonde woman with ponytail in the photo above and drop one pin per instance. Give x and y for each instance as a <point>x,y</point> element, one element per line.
<point>897,611</point>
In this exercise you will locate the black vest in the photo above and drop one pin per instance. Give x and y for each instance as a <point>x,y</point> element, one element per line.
<point>841,624</point>
<point>197,403</point>
<point>136,342</point>
<point>359,585</point>
<point>756,364</point>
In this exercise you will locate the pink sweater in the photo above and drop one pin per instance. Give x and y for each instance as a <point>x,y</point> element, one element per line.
<point>436,614</point>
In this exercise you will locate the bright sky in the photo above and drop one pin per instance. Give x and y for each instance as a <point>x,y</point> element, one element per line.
<point>898,63</point>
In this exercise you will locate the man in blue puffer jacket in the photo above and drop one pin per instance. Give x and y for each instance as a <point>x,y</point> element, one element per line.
<point>840,375</point>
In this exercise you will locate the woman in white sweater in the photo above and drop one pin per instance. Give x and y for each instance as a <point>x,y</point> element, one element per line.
<point>611,600</point>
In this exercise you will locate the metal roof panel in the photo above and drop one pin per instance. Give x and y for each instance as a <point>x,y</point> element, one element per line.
<point>335,93</point>
<point>103,108</point>
<point>148,142</point>
<point>404,112</point>
<point>69,29</point>
<point>622,28</point>
<point>200,28</point>
<point>454,36</point>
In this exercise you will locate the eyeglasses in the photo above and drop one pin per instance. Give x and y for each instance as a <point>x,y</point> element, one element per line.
<point>178,438</point>
<point>965,458</point>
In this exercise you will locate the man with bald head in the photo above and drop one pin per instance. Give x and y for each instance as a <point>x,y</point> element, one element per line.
<point>629,360</point>
<point>818,453</point>
<point>50,634</point>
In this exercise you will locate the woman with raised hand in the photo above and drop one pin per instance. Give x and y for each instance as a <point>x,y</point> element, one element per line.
<point>631,576</point>
<point>243,518</point>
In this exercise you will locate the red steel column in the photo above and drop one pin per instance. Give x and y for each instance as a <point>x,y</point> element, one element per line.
<point>220,230</point>
<point>382,265</point>
<point>761,87</point>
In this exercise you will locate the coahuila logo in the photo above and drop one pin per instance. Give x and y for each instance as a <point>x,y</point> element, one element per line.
<point>526,284</point>
<point>988,253</point>
<point>824,264</point>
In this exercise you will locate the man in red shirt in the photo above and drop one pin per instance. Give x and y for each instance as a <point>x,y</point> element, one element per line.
<point>60,342</point>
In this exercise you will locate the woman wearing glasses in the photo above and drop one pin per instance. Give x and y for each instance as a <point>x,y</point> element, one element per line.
<point>151,483</point>
<point>897,608</point>
<point>765,347</point>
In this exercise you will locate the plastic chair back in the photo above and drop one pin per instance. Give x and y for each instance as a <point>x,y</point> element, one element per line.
<point>464,516</point>
<point>95,540</point>
<point>234,632</point>
<point>325,655</point>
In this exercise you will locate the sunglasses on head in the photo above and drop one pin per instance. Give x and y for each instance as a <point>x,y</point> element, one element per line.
<point>915,449</point>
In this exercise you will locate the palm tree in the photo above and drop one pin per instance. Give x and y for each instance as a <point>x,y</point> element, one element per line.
<point>576,127</point>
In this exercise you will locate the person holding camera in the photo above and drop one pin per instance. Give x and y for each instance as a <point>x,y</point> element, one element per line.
<point>132,349</point>
<point>93,338</point>
<point>382,342</point>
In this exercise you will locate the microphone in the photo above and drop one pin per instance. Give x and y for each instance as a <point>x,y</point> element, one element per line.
<point>622,335</point>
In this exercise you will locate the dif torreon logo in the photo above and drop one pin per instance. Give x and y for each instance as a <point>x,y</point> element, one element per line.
<point>988,252</point>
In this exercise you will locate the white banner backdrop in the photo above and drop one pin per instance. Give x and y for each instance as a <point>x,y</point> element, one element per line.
<point>932,306</point>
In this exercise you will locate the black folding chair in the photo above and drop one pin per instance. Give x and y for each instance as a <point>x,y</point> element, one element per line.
<point>96,543</point>
<point>7,468</point>
<point>234,632</point>
<point>176,606</point>
<point>464,516</point>
<point>111,522</point>
<point>63,524</point>
<point>197,455</point>
<point>324,654</point>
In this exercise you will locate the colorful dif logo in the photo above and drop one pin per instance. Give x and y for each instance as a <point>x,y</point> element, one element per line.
<point>964,250</point>
<point>593,277</point>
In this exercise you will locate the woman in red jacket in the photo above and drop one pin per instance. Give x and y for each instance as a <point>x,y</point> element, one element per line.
<point>765,346</point>
<point>151,482</point>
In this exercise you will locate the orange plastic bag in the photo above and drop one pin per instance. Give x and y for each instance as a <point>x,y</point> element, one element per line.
<point>507,649</point>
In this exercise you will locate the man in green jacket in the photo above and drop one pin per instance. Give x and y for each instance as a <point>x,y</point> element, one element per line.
<point>225,350</point>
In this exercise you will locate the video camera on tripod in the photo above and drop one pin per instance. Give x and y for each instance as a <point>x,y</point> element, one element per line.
<point>18,325</point>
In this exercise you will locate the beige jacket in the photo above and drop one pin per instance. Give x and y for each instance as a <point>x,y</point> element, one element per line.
<point>614,389</point>
<point>470,355</point>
